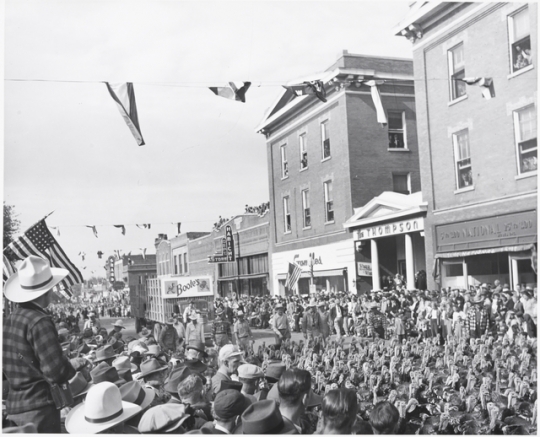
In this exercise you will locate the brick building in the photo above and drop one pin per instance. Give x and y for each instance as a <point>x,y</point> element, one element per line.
<point>327,158</point>
<point>478,155</point>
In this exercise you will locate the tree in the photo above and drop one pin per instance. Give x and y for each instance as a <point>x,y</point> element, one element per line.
<point>11,224</point>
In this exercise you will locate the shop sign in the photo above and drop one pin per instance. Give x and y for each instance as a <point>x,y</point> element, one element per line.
<point>186,287</point>
<point>512,228</point>
<point>363,269</point>
<point>227,253</point>
<point>389,229</point>
<point>302,262</point>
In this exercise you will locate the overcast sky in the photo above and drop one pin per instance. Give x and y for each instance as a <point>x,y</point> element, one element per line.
<point>67,148</point>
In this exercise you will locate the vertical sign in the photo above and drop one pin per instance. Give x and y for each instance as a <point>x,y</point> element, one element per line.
<point>230,244</point>
<point>112,278</point>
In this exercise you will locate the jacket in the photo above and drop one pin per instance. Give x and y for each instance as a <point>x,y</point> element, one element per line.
<point>30,331</point>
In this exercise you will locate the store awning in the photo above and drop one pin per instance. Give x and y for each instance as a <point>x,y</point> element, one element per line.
<point>316,274</point>
<point>234,278</point>
<point>462,254</point>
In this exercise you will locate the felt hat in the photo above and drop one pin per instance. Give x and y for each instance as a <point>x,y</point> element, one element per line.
<point>196,366</point>
<point>250,371</point>
<point>88,333</point>
<point>153,349</point>
<point>274,371</point>
<point>230,403</point>
<point>119,324</point>
<point>198,346</point>
<point>123,363</point>
<point>228,351</point>
<point>104,353</point>
<point>102,410</point>
<point>135,393</point>
<point>125,374</point>
<point>176,377</point>
<point>103,372</point>
<point>79,385</point>
<point>279,306</point>
<point>163,418</point>
<point>33,279</point>
<point>264,417</point>
<point>150,366</point>
<point>170,321</point>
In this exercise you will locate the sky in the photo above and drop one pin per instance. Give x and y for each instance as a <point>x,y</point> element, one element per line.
<point>68,150</point>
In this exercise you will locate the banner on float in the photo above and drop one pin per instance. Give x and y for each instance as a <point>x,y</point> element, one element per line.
<point>189,286</point>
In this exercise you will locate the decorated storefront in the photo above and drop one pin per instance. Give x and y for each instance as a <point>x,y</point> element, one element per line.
<point>388,235</point>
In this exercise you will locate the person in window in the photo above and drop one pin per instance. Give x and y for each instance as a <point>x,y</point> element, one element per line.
<point>523,58</point>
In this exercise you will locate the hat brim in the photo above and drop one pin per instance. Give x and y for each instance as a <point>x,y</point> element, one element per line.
<point>150,396</point>
<point>88,387</point>
<point>120,326</point>
<point>77,424</point>
<point>14,292</point>
<point>142,375</point>
<point>97,360</point>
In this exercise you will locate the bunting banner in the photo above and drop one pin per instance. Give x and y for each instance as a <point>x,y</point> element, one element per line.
<point>376,96</point>
<point>314,87</point>
<point>93,229</point>
<point>233,91</point>
<point>486,83</point>
<point>179,225</point>
<point>121,227</point>
<point>143,252</point>
<point>124,96</point>
<point>144,226</point>
<point>100,254</point>
<point>82,255</point>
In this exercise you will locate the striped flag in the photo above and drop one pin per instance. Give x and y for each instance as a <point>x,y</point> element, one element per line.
<point>39,241</point>
<point>234,91</point>
<point>293,275</point>
<point>315,87</point>
<point>124,96</point>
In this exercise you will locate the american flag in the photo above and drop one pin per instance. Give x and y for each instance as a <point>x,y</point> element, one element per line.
<point>39,241</point>
<point>293,275</point>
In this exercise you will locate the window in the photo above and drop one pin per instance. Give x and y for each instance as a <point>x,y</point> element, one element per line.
<point>456,67</point>
<point>305,208</point>
<point>284,165</point>
<point>177,266</point>
<point>328,202</point>
<point>453,269</point>
<point>525,131</point>
<point>396,130</point>
<point>520,39</point>
<point>462,157</point>
<point>325,140</point>
<point>185,263</point>
<point>286,214</point>
<point>303,151</point>
<point>401,183</point>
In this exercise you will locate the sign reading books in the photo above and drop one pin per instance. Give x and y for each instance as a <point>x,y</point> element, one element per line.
<point>227,254</point>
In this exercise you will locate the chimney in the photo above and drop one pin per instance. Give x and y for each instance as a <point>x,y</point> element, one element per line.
<point>159,239</point>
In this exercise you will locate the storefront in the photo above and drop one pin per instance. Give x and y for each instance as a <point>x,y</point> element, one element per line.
<point>388,239</point>
<point>328,267</point>
<point>246,277</point>
<point>480,251</point>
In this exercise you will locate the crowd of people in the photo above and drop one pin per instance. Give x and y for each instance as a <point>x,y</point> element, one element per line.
<point>394,361</point>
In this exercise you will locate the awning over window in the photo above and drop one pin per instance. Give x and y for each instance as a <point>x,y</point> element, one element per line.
<point>520,248</point>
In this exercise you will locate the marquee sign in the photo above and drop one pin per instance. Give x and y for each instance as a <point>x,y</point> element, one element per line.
<point>226,255</point>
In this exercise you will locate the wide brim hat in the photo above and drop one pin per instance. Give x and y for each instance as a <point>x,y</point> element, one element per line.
<point>151,366</point>
<point>196,366</point>
<point>121,363</point>
<point>104,353</point>
<point>79,385</point>
<point>120,324</point>
<point>78,422</point>
<point>198,346</point>
<point>264,417</point>
<point>137,394</point>
<point>33,279</point>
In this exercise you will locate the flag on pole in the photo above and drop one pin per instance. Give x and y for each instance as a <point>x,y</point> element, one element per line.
<point>315,87</point>
<point>39,241</point>
<point>293,275</point>
<point>376,96</point>
<point>121,227</point>
<point>93,230</point>
<point>124,96</point>
<point>234,91</point>
<point>486,83</point>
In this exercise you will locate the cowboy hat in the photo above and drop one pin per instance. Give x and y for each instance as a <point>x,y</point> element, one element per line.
<point>79,385</point>
<point>103,372</point>
<point>104,353</point>
<point>33,279</point>
<point>150,366</point>
<point>120,324</point>
<point>264,417</point>
<point>123,363</point>
<point>153,349</point>
<point>135,393</point>
<point>177,376</point>
<point>102,410</point>
<point>198,346</point>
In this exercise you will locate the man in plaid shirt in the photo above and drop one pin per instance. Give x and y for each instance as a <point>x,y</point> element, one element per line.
<point>31,337</point>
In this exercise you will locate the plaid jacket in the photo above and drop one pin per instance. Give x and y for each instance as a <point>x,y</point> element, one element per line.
<point>30,331</point>
<point>471,319</point>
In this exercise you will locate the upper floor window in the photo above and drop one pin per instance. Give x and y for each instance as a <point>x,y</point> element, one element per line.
<point>303,151</point>
<point>284,165</point>
<point>325,140</point>
<point>462,157</point>
<point>519,31</point>
<point>286,214</point>
<point>401,183</point>
<point>328,202</point>
<point>177,265</point>
<point>305,208</point>
<point>396,130</point>
<point>456,70</point>
<point>525,131</point>
<point>185,263</point>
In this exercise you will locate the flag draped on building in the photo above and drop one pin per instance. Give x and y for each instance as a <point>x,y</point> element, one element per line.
<point>234,91</point>
<point>376,96</point>
<point>486,83</point>
<point>293,275</point>
<point>121,227</point>
<point>124,96</point>
<point>39,241</point>
<point>314,87</point>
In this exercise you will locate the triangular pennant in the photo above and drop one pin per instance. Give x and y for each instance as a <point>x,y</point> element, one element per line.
<point>93,229</point>
<point>233,91</point>
<point>124,96</point>
<point>121,227</point>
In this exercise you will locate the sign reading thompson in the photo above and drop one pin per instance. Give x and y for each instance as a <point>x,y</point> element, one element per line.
<point>389,229</point>
<point>186,287</point>
<point>227,255</point>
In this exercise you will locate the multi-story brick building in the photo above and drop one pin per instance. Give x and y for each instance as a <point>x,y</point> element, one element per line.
<point>327,158</point>
<point>478,155</point>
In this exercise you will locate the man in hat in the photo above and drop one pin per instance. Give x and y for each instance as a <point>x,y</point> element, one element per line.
<point>117,329</point>
<point>93,323</point>
<point>377,321</point>
<point>195,330</point>
<point>477,318</point>
<point>242,332</point>
<point>153,372</point>
<point>230,358</point>
<point>228,405</point>
<point>280,325</point>
<point>221,329</point>
<point>191,391</point>
<point>250,375</point>
<point>168,339</point>
<point>311,322</point>
<point>189,312</point>
<point>31,350</point>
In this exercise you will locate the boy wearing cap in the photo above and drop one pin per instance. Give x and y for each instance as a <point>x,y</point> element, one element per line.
<point>228,405</point>
<point>242,332</point>
<point>230,358</point>
<point>250,375</point>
